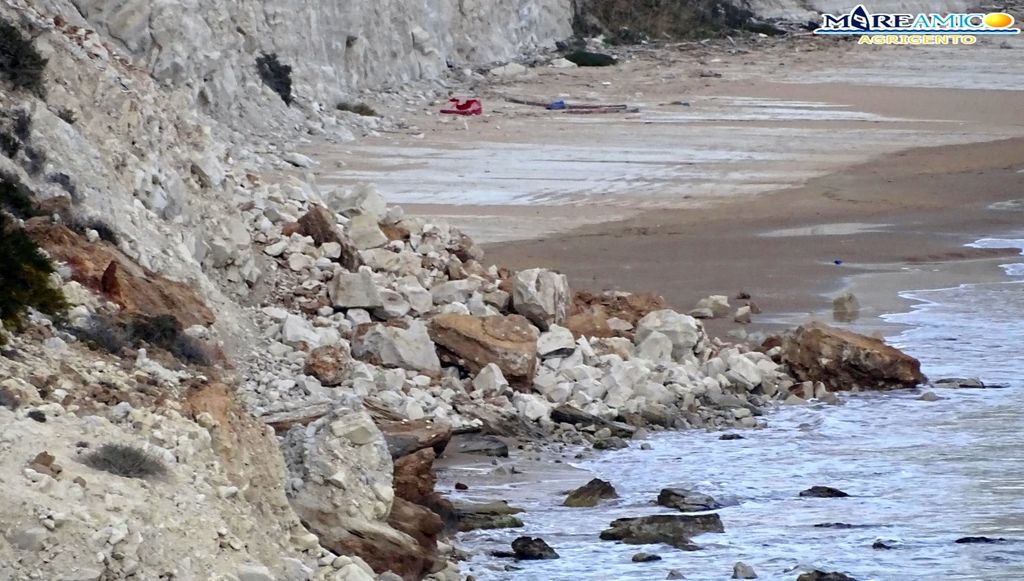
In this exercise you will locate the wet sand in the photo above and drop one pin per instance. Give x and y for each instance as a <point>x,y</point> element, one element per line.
<point>801,153</point>
<point>902,218</point>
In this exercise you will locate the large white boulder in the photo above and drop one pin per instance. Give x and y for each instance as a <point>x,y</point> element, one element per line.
<point>407,347</point>
<point>542,296</point>
<point>685,332</point>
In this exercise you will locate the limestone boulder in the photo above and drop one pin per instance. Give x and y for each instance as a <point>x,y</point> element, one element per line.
<point>403,344</point>
<point>685,333</point>
<point>510,342</point>
<point>354,291</point>
<point>542,296</point>
<point>844,360</point>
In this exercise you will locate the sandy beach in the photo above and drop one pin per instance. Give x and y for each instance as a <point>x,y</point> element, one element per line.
<point>748,169</point>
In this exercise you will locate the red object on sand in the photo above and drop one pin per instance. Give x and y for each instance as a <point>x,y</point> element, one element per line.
<point>467,107</point>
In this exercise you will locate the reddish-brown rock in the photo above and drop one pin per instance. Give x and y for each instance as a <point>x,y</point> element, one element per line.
<point>471,342</point>
<point>318,223</point>
<point>106,270</point>
<point>844,360</point>
<point>590,312</point>
<point>329,364</point>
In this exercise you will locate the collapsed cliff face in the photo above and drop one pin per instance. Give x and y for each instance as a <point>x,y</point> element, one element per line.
<point>335,48</point>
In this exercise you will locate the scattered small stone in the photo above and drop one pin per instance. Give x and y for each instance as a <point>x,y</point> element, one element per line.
<point>742,315</point>
<point>461,486</point>
<point>879,545</point>
<point>645,558</point>
<point>646,446</point>
<point>37,415</point>
<point>674,574</point>
<point>823,492</point>
<point>978,540</point>
<point>743,571</point>
<point>731,437</point>
<point>532,548</point>
<point>929,396</point>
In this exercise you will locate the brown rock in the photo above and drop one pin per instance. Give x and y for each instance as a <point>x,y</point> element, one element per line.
<point>843,360</point>
<point>106,270</point>
<point>329,364</point>
<point>408,436</point>
<point>290,228</point>
<point>420,523</point>
<point>414,476</point>
<point>590,494</point>
<point>395,231</point>
<point>591,324</point>
<point>471,342</point>
<point>318,223</point>
<point>387,549</point>
<point>626,306</point>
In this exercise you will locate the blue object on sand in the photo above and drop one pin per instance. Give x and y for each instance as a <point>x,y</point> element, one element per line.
<point>557,106</point>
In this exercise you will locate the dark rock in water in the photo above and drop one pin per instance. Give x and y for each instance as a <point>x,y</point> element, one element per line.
<point>590,494</point>
<point>480,445</point>
<point>675,574</point>
<point>645,558</point>
<point>731,437</point>
<point>612,443</point>
<point>461,486</point>
<point>475,522</point>
<point>532,549</point>
<point>503,554</point>
<point>835,525</point>
<point>674,530</point>
<point>742,570</point>
<point>823,492</point>
<point>879,545</point>
<point>490,515</point>
<point>959,383</point>
<point>978,540</point>
<point>823,576</point>
<point>584,58</point>
<point>686,500</point>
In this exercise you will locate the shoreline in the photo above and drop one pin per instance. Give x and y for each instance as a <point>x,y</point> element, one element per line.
<point>777,246</point>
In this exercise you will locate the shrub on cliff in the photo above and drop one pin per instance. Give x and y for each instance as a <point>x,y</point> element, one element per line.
<point>358,108</point>
<point>24,276</point>
<point>15,197</point>
<point>21,65</point>
<point>276,75</point>
<point>126,461</point>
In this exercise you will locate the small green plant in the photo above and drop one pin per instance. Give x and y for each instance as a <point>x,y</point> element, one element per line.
<point>81,225</point>
<point>104,334</point>
<point>191,350</point>
<point>67,115</point>
<point>358,108</point>
<point>126,461</point>
<point>24,276</point>
<point>66,183</point>
<point>276,75</point>
<point>15,197</point>
<point>21,65</point>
